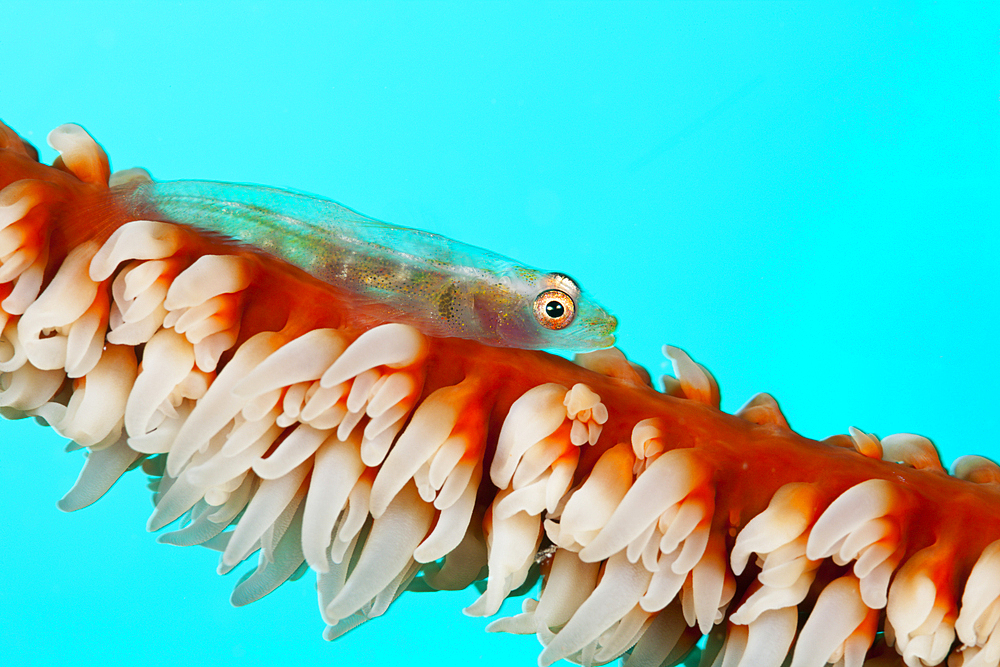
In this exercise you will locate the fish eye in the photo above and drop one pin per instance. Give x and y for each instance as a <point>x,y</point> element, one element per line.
<point>554,309</point>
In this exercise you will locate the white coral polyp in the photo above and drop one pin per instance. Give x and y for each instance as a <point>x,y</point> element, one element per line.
<point>167,377</point>
<point>584,407</point>
<point>204,304</point>
<point>64,327</point>
<point>591,505</point>
<point>95,412</point>
<point>138,292</point>
<point>20,246</point>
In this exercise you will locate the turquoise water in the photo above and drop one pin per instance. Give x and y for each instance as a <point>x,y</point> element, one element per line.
<point>804,197</point>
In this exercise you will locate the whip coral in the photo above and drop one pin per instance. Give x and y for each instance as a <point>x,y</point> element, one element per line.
<point>277,415</point>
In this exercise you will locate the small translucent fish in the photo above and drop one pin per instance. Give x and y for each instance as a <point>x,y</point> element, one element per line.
<point>440,286</point>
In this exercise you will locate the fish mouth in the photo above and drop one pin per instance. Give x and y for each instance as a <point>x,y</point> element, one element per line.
<point>602,342</point>
<point>603,335</point>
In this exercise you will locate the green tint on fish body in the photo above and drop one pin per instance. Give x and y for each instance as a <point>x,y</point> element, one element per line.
<point>440,286</point>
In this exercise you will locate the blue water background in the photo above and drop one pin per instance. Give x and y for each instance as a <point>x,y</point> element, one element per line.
<point>803,196</point>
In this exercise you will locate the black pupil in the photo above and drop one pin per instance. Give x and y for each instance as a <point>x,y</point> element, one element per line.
<point>554,309</point>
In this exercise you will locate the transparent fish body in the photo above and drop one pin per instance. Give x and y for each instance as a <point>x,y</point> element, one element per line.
<point>442,287</point>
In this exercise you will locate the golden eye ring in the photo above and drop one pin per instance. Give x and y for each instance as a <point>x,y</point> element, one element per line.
<point>554,309</point>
